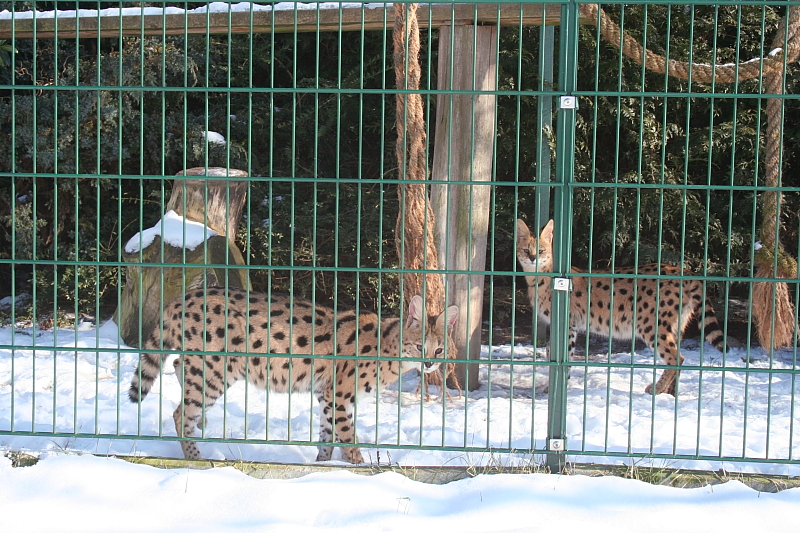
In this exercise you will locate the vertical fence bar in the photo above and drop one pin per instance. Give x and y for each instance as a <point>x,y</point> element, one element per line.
<point>562,241</point>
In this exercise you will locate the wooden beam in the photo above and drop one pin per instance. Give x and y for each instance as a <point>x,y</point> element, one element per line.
<point>347,18</point>
<point>464,150</point>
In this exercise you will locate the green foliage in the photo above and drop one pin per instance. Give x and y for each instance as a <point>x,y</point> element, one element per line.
<point>93,126</point>
<point>5,53</point>
<point>676,141</point>
<point>140,131</point>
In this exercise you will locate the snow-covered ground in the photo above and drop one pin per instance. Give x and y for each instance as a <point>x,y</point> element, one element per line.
<point>89,494</point>
<point>75,381</point>
<point>60,383</point>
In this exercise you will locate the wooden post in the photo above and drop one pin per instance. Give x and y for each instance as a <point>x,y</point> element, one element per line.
<point>463,151</point>
<point>216,203</point>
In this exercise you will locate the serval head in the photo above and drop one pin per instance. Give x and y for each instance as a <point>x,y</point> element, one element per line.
<point>424,336</point>
<point>535,255</point>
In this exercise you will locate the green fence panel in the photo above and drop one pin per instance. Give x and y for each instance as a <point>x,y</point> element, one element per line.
<point>149,152</point>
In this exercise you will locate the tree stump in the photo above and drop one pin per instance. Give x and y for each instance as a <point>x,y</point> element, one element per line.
<point>220,208</point>
<point>217,204</point>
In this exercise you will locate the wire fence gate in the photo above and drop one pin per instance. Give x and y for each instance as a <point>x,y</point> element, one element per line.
<point>217,186</point>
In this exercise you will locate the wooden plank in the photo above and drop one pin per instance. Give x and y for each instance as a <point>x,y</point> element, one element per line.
<point>278,21</point>
<point>464,150</point>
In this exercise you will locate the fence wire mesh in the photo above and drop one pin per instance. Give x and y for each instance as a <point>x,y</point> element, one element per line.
<point>211,189</point>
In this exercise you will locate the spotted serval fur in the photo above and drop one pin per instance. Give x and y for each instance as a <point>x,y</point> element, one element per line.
<point>677,301</point>
<point>240,321</point>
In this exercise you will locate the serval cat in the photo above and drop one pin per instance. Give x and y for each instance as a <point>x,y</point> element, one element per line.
<point>236,321</point>
<point>677,301</point>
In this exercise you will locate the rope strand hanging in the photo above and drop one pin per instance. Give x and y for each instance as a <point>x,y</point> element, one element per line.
<point>416,245</point>
<point>773,310</point>
<point>772,306</point>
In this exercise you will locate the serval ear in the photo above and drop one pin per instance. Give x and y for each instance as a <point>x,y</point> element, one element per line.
<point>523,233</point>
<point>416,312</point>
<point>546,237</point>
<point>451,316</point>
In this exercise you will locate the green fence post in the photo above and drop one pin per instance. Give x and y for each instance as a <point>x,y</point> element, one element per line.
<point>562,209</point>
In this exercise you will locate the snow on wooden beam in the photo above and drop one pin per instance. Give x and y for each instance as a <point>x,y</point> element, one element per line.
<point>244,17</point>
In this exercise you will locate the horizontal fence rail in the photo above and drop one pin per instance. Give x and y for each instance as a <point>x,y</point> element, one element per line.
<point>213,229</point>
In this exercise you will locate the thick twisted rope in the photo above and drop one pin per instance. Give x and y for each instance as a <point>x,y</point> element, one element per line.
<point>772,146</point>
<point>416,245</point>
<point>700,72</point>
<point>773,310</point>
<point>415,241</point>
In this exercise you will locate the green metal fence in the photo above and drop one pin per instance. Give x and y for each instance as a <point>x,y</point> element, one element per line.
<point>533,111</point>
